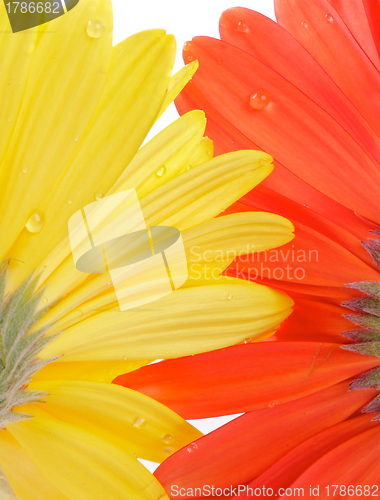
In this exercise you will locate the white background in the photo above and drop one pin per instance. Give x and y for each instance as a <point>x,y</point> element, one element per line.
<point>184,19</point>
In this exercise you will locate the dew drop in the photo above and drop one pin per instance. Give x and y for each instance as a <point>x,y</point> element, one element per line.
<point>76,138</point>
<point>259,99</point>
<point>139,422</point>
<point>223,25</point>
<point>188,167</point>
<point>25,170</point>
<point>192,447</point>
<point>69,202</point>
<point>168,438</point>
<point>229,297</point>
<point>187,46</point>
<point>46,300</point>
<point>10,119</point>
<point>161,171</point>
<point>242,27</point>
<point>329,18</point>
<point>189,58</point>
<point>219,61</point>
<point>248,341</point>
<point>305,25</point>
<point>209,153</point>
<point>98,196</point>
<point>168,450</point>
<point>36,222</point>
<point>272,404</point>
<point>134,455</point>
<point>95,28</point>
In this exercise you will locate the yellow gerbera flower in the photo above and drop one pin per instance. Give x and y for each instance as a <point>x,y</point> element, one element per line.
<point>74,113</point>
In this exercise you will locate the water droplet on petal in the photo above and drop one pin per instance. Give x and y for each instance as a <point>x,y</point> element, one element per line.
<point>9,119</point>
<point>168,451</point>
<point>223,25</point>
<point>69,202</point>
<point>161,171</point>
<point>188,167</point>
<point>46,300</point>
<point>329,18</point>
<point>36,222</point>
<point>248,341</point>
<point>168,438</point>
<point>219,61</point>
<point>305,25</point>
<point>98,196</point>
<point>192,447</point>
<point>229,297</point>
<point>76,138</point>
<point>139,422</point>
<point>259,99</point>
<point>25,170</point>
<point>189,58</point>
<point>134,455</point>
<point>242,27</point>
<point>95,28</point>
<point>187,46</point>
<point>272,404</point>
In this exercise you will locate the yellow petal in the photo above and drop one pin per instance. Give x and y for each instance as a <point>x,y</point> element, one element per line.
<point>66,78</point>
<point>178,82</point>
<point>120,416</point>
<point>135,88</point>
<point>215,244</point>
<point>210,248</point>
<point>15,58</point>
<point>203,153</point>
<point>81,464</point>
<point>188,321</point>
<point>97,371</point>
<point>26,479</point>
<point>204,191</point>
<point>164,156</point>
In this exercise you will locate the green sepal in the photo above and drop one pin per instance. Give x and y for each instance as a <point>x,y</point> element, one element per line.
<point>362,335</point>
<point>364,305</point>
<point>368,348</point>
<point>370,380</point>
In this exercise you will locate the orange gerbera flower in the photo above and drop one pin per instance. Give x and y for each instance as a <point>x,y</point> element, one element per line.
<point>307,91</point>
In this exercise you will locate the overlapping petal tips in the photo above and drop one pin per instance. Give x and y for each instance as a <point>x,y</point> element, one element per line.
<point>352,463</point>
<point>319,28</point>
<point>205,191</point>
<point>355,17</point>
<point>52,114</point>
<point>145,427</point>
<point>284,472</point>
<point>26,479</point>
<point>290,118</point>
<point>246,377</point>
<point>190,321</point>
<point>256,440</point>
<point>90,467</point>
<point>96,371</point>
<point>131,99</point>
<point>271,44</point>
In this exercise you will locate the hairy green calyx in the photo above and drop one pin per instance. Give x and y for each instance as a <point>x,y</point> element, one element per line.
<point>18,347</point>
<point>368,339</point>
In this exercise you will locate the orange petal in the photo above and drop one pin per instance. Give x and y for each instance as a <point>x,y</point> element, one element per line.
<point>319,28</point>
<point>290,118</point>
<point>244,448</point>
<point>293,464</point>
<point>354,462</point>
<point>245,377</point>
